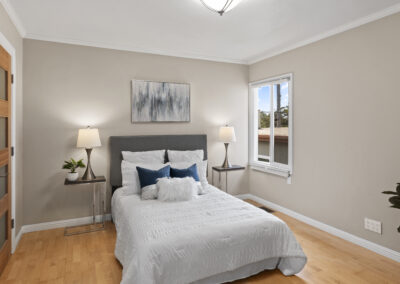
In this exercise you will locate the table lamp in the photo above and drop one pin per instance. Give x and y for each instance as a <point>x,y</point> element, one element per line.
<point>227,135</point>
<point>88,138</point>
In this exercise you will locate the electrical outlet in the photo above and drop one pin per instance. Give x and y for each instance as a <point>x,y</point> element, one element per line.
<point>372,225</point>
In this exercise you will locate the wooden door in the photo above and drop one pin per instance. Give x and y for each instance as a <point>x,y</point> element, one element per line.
<point>5,157</point>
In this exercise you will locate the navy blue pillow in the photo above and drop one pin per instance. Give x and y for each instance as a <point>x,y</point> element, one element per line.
<point>189,172</point>
<point>149,177</point>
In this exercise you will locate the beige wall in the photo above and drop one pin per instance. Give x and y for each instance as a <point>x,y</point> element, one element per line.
<point>346,130</point>
<point>68,87</point>
<point>10,32</point>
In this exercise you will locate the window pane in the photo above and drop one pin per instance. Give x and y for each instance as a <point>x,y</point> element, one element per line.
<point>3,181</point>
<point>3,229</point>
<point>3,84</point>
<point>3,132</point>
<point>281,123</point>
<point>263,107</point>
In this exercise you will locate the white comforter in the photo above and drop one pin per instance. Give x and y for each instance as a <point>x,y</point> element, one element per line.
<point>182,242</point>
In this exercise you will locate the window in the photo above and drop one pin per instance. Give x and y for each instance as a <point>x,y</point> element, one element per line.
<point>271,136</point>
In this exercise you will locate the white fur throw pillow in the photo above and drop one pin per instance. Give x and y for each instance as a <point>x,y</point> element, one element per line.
<point>177,189</point>
<point>150,192</point>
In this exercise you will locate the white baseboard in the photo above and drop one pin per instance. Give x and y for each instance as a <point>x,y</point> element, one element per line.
<point>327,228</point>
<point>16,241</point>
<point>55,225</point>
<point>244,196</point>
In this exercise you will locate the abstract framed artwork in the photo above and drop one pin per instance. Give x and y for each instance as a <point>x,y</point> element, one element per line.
<point>160,101</point>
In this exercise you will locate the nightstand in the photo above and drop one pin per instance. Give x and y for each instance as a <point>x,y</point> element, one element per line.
<point>94,226</point>
<point>225,170</point>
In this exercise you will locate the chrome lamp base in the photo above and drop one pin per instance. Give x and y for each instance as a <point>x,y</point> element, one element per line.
<point>88,175</point>
<point>226,163</point>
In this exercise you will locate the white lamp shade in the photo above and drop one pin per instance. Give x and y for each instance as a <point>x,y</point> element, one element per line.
<point>219,5</point>
<point>227,134</point>
<point>88,138</point>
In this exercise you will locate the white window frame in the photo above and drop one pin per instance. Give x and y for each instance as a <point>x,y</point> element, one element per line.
<point>269,167</point>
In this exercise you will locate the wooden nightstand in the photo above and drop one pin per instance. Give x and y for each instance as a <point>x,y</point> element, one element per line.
<point>225,170</point>
<point>94,226</point>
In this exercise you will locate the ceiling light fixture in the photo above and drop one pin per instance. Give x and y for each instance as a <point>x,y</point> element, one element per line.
<point>220,6</point>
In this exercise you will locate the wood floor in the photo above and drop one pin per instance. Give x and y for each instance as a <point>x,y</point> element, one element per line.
<point>49,257</point>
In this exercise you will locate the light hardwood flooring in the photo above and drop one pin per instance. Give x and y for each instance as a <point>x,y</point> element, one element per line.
<point>49,257</point>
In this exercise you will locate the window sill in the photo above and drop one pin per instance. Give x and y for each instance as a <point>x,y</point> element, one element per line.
<point>272,170</point>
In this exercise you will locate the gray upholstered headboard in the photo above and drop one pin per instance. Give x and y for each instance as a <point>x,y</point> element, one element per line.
<point>148,143</point>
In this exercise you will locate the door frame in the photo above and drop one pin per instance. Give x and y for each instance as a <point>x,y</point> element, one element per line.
<point>11,50</point>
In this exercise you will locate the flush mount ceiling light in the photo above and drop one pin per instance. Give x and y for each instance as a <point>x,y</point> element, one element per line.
<point>220,6</point>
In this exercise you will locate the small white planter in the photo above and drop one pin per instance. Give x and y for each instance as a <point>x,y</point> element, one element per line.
<point>72,176</point>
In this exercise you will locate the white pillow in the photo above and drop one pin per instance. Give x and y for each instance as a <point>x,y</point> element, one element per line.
<point>201,171</point>
<point>130,177</point>
<point>150,192</point>
<point>176,189</point>
<point>146,157</point>
<point>185,156</point>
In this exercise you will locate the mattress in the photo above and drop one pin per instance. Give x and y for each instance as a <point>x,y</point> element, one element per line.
<point>211,239</point>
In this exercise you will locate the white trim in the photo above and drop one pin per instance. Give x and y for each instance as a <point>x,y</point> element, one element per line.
<point>61,224</point>
<point>276,79</point>
<point>11,50</point>
<point>354,24</point>
<point>270,170</point>
<point>271,167</point>
<point>125,47</point>
<point>17,239</point>
<point>244,196</point>
<point>14,17</point>
<point>271,126</point>
<point>392,254</point>
<point>55,225</point>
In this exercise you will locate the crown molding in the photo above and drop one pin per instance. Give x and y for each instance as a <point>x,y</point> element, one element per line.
<point>124,47</point>
<point>249,61</point>
<point>354,24</point>
<point>14,17</point>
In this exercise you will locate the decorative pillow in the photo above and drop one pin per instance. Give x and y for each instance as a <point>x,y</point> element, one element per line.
<point>148,177</point>
<point>130,178</point>
<point>185,156</point>
<point>201,171</point>
<point>150,192</point>
<point>145,157</point>
<point>176,189</point>
<point>188,172</point>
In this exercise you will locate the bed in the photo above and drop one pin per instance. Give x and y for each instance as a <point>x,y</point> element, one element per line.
<point>214,238</point>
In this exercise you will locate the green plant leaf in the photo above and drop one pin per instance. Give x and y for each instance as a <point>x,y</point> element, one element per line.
<point>80,164</point>
<point>395,200</point>
<point>398,188</point>
<point>71,165</point>
<point>395,206</point>
<point>398,229</point>
<point>389,192</point>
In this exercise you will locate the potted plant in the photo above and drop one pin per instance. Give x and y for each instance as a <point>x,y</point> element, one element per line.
<point>72,165</point>
<point>394,200</point>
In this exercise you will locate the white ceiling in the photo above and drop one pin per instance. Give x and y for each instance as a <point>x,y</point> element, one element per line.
<point>254,30</point>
